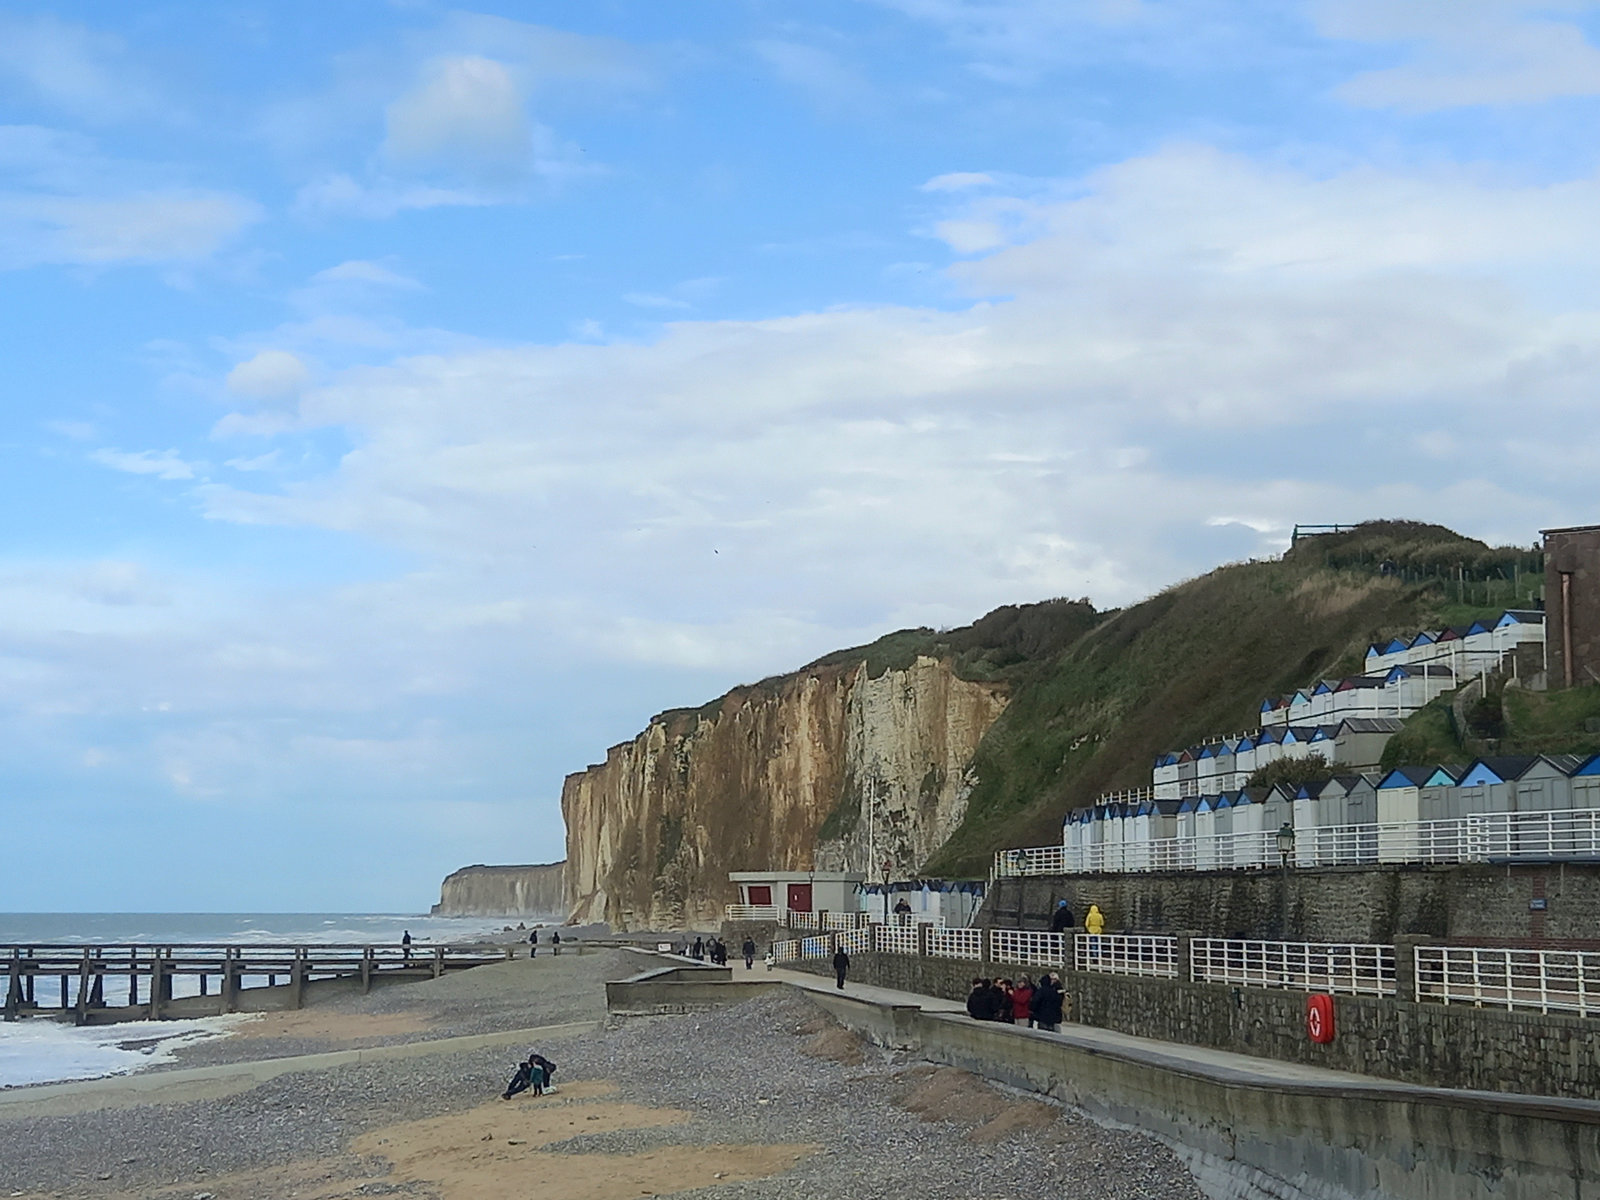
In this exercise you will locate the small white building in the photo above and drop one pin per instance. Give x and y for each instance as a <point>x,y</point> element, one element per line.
<point>798,891</point>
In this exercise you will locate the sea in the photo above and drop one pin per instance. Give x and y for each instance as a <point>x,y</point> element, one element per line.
<point>41,1050</point>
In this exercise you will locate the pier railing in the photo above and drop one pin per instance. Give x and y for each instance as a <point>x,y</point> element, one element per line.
<point>97,979</point>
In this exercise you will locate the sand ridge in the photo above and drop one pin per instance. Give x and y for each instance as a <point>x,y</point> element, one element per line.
<point>333,1026</point>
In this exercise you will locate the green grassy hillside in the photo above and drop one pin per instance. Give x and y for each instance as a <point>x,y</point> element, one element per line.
<point>1196,661</point>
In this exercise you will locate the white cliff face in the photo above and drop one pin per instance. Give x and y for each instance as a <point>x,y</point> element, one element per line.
<point>520,891</point>
<point>910,738</point>
<point>750,783</point>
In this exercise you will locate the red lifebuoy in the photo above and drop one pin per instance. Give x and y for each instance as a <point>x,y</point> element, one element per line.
<point>1319,1019</point>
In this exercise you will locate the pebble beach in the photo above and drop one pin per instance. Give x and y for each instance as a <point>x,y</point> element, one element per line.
<point>766,1100</point>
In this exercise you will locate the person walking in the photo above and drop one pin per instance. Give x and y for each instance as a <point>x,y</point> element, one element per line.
<point>1095,922</point>
<point>533,943</point>
<point>749,949</point>
<point>405,942</point>
<point>555,942</point>
<point>841,964</point>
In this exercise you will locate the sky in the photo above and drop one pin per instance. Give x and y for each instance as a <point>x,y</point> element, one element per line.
<point>402,403</point>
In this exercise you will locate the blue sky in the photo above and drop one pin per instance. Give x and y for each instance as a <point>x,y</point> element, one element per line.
<point>404,402</point>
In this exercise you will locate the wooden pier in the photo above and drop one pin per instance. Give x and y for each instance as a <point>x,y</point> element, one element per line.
<point>104,984</point>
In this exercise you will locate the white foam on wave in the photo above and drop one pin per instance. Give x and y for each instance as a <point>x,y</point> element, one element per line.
<point>38,1051</point>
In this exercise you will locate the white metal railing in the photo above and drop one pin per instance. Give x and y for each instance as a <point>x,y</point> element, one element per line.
<point>844,920</point>
<point>855,941</point>
<point>1356,969</point>
<point>897,939</point>
<point>1563,834</point>
<point>1128,796</point>
<point>1027,947</point>
<point>785,951</point>
<point>751,912</point>
<point>804,920</point>
<point>1126,954</point>
<point>1556,836</point>
<point>1547,980</point>
<point>816,947</point>
<point>955,943</point>
<point>1032,860</point>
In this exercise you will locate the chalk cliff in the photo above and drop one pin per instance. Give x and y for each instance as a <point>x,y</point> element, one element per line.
<point>834,766</point>
<point>519,891</point>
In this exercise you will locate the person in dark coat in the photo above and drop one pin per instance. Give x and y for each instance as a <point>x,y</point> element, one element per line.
<point>520,1082</point>
<point>405,942</point>
<point>841,964</point>
<point>1046,1005</point>
<point>1061,920</point>
<point>555,942</point>
<point>975,1000</point>
<point>698,950</point>
<point>749,949</point>
<point>533,943</point>
<point>543,1069</point>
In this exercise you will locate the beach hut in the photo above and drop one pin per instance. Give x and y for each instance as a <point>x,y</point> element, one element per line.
<point>1164,844</point>
<point>1272,711</point>
<point>1421,648</point>
<point>1164,777</point>
<point>1585,784</point>
<point>1205,833</point>
<point>1358,742</point>
<point>1400,836</point>
<point>1488,785</point>
<point>1186,837</point>
<point>1305,814</point>
<point>1546,785</point>
<point>1186,773</point>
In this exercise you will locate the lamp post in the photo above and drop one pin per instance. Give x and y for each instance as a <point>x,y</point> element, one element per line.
<point>888,866</point>
<point>1285,849</point>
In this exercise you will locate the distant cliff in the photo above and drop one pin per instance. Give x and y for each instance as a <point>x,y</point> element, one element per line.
<point>523,891</point>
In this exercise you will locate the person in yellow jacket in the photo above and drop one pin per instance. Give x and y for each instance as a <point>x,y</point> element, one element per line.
<point>1095,922</point>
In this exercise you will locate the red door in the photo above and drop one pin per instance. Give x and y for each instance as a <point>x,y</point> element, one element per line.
<point>799,897</point>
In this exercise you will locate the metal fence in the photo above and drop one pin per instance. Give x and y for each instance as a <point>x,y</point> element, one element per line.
<point>855,941</point>
<point>1032,860</point>
<point>1565,981</point>
<point>785,951</point>
<point>804,920</point>
<point>1355,969</point>
<point>1027,947</point>
<point>1127,954</point>
<point>816,947</point>
<point>955,943</point>
<point>844,920</point>
<point>752,912</point>
<point>897,939</point>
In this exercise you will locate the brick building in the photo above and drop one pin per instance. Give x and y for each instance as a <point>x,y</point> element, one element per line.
<point>1572,604</point>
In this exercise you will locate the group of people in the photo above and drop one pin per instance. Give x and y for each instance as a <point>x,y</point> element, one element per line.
<point>1023,1002</point>
<point>715,950</point>
<point>1061,921</point>
<point>533,1074</point>
<point>533,942</point>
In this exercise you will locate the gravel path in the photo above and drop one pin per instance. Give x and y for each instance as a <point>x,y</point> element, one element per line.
<point>742,1072</point>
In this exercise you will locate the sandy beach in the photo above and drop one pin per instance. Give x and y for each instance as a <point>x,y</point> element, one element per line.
<point>770,1100</point>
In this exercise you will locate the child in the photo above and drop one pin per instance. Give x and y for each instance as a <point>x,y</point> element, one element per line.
<point>543,1068</point>
<point>525,1078</point>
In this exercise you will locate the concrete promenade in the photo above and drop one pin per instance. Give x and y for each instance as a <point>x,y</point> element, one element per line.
<point>1249,1128</point>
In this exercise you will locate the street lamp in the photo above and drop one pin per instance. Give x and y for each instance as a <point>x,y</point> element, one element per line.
<point>1285,849</point>
<point>888,866</point>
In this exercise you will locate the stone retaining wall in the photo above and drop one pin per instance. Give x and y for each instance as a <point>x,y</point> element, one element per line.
<point>1455,1046</point>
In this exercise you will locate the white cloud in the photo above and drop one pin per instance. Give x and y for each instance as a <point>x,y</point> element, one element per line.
<point>360,271</point>
<point>270,375</point>
<point>73,68</point>
<point>163,464</point>
<point>1467,52</point>
<point>62,202</point>
<point>466,117</point>
<point>958,181</point>
<point>831,83</point>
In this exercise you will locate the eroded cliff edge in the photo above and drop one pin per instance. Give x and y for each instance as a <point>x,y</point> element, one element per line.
<point>538,890</point>
<point>834,766</point>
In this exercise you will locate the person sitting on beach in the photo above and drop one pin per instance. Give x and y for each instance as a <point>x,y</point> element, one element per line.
<point>521,1081</point>
<point>543,1068</point>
